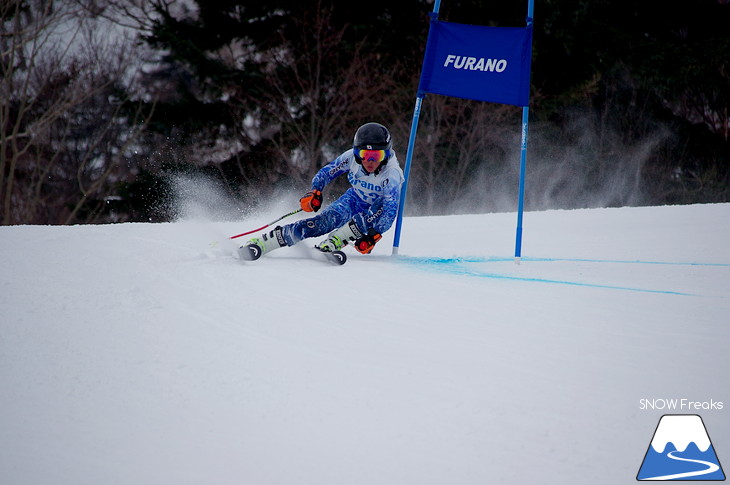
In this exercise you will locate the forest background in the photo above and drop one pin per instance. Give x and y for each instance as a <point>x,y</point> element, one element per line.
<point>106,105</point>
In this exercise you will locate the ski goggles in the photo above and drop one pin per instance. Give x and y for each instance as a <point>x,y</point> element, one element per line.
<point>372,155</point>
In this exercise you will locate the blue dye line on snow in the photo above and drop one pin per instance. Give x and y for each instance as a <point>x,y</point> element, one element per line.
<point>456,266</point>
<point>425,260</point>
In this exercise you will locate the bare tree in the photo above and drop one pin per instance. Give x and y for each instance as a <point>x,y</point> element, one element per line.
<point>315,98</point>
<point>65,119</point>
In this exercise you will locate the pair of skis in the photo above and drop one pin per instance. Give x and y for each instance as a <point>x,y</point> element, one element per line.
<point>252,252</point>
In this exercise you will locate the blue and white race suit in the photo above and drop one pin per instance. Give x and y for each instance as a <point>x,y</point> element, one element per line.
<point>372,201</point>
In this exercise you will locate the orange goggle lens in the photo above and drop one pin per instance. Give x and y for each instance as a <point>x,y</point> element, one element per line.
<point>371,155</point>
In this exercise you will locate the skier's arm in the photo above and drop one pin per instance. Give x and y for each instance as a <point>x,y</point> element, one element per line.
<point>378,219</point>
<point>381,216</point>
<point>331,171</point>
<point>312,200</point>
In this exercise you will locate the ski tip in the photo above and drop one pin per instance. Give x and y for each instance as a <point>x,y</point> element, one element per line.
<point>339,257</point>
<point>336,257</point>
<point>250,252</point>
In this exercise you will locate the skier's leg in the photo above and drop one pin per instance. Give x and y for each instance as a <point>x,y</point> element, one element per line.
<point>331,217</point>
<point>355,228</point>
<point>339,238</point>
<point>258,246</point>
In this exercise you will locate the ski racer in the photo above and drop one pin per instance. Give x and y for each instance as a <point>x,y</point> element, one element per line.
<point>360,215</point>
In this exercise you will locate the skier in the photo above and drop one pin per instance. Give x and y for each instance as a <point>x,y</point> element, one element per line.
<point>361,214</point>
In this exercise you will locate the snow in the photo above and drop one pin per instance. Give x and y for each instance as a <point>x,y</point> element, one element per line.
<point>140,354</point>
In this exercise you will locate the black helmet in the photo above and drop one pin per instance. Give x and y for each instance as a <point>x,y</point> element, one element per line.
<point>372,136</point>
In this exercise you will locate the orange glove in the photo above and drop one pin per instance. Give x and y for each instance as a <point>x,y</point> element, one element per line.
<point>366,243</point>
<point>312,201</point>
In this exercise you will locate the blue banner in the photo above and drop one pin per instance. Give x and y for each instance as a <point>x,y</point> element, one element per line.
<point>476,62</point>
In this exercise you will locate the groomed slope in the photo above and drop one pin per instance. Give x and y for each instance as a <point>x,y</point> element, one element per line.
<point>140,354</point>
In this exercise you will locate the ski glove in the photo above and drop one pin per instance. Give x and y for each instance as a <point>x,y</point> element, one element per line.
<point>312,201</point>
<point>366,243</point>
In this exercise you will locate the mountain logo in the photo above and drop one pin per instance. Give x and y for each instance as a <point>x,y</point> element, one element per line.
<point>681,450</point>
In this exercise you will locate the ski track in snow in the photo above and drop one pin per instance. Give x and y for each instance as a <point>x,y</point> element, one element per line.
<point>143,354</point>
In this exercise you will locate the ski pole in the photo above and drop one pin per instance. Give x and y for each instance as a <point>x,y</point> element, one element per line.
<point>267,225</point>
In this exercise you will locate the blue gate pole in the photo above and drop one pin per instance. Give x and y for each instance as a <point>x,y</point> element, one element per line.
<point>521,196</point>
<point>409,153</point>
<point>406,171</point>
<point>523,159</point>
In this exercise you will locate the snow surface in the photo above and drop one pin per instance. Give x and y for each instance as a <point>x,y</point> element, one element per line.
<point>139,354</point>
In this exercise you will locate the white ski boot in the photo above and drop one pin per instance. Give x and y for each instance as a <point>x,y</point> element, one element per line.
<point>332,243</point>
<point>258,246</point>
<point>339,238</point>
